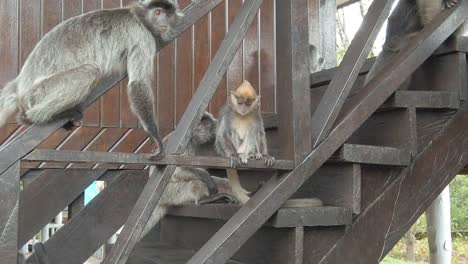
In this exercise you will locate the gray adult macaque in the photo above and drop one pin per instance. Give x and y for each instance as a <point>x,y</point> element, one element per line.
<point>406,20</point>
<point>65,66</point>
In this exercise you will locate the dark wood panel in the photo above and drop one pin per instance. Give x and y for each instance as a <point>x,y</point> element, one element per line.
<point>9,43</point>
<point>92,112</point>
<point>235,74</point>
<point>218,31</point>
<point>71,8</point>
<point>51,14</point>
<point>52,142</point>
<point>267,57</point>
<point>7,131</point>
<point>30,29</point>
<point>251,56</point>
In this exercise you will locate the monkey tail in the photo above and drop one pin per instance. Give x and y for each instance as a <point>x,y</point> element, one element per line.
<point>8,102</point>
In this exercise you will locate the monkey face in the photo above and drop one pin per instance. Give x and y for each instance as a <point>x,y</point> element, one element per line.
<point>163,16</point>
<point>243,105</point>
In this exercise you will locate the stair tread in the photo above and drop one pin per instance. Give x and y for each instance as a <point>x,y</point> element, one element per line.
<point>285,217</point>
<point>368,154</point>
<point>153,252</point>
<point>423,99</point>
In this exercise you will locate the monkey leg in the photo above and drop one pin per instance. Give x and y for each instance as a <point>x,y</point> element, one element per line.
<point>237,190</point>
<point>141,101</point>
<point>61,94</point>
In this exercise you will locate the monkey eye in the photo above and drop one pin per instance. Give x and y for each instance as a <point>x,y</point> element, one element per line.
<point>158,11</point>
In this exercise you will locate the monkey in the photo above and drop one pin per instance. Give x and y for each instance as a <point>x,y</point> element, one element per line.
<point>68,62</point>
<point>406,20</point>
<point>193,185</point>
<point>315,61</point>
<point>241,134</point>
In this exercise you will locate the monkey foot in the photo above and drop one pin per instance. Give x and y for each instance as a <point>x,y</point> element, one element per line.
<point>269,160</point>
<point>157,156</point>
<point>69,126</point>
<point>219,198</point>
<point>450,3</point>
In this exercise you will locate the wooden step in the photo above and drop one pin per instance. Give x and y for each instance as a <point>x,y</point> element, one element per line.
<point>153,252</point>
<point>423,99</point>
<point>285,217</point>
<point>367,154</point>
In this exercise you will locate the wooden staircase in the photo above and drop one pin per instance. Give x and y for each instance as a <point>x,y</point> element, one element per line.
<point>376,156</point>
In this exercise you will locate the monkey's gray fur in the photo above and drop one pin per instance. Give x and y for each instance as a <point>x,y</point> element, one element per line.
<point>72,58</point>
<point>408,17</point>
<point>191,185</point>
<point>315,61</point>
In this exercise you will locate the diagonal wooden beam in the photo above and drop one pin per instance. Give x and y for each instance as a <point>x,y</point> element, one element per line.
<point>406,198</point>
<point>143,159</point>
<point>332,101</point>
<point>47,195</point>
<point>75,242</point>
<point>9,203</point>
<point>277,190</point>
<point>29,139</point>
<point>160,177</point>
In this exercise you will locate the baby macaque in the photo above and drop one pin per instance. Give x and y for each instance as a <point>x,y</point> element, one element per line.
<point>241,134</point>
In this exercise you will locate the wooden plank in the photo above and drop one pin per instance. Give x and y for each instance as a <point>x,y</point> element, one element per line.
<point>367,154</point>
<point>218,32</point>
<point>324,77</point>
<point>267,56</point>
<point>51,14</point>
<point>403,201</point>
<point>9,45</point>
<point>49,194</point>
<point>179,139</point>
<point>330,106</point>
<point>105,214</point>
<point>91,115</point>
<point>165,88</point>
<point>133,158</point>
<point>293,82</point>
<point>322,21</point>
<point>423,99</point>
<point>235,74</point>
<point>278,189</point>
<point>285,217</point>
<point>9,196</point>
<point>22,145</point>
<point>30,29</point>
<point>184,69</point>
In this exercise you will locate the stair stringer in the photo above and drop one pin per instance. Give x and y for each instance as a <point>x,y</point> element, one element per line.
<point>381,225</point>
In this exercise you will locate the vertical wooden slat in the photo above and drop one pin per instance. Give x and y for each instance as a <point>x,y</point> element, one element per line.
<point>235,74</point>
<point>30,27</point>
<point>251,48</point>
<point>293,79</point>
<point>184,69</point>
<point>9,44</point>
<point>110,102</point>
<point>218,31</point>
<point>165,87</point>
<point>9,197</point>
<point>71,8</point>
<point>201,46</point>
<point>51,14</point>
<point>322,21</point>
<point>92,112</point>
<point>267,56</point>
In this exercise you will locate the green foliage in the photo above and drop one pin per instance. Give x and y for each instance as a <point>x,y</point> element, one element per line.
<point>390,260</point>
<point>459,203</point>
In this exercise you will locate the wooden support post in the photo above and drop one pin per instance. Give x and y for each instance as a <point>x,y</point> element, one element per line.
<point>322,21</point>
<point>293,79</point>
<point>278,189</point>
<point>9,198</point>
<point>160,177</point>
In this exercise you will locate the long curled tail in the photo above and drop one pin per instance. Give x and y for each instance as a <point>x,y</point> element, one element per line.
<point>8,104</point>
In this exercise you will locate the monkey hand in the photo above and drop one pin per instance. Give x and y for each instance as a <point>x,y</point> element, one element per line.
<point>257,155</point>
<point>450,3</point>
<point>269,160</point>
<point>243,158</point>
<point>158,155</point>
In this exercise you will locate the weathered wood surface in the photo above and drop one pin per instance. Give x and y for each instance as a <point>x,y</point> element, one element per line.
<point>330,106</point>
<point>133,158</point>
<point>9,198</point>
<point>356,153</point>
<point>293,81</point>
<point>98,221</point>
<point>28,140</point>
<point>285,217</point>
<point>423,99</point>
<point>278,189</point>
<point>406,198</point>
<point>181,136</point>
<point>49,194</point>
